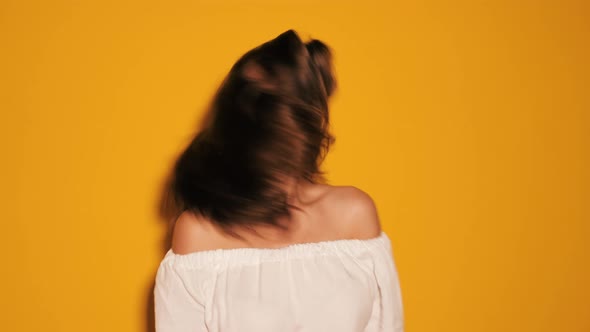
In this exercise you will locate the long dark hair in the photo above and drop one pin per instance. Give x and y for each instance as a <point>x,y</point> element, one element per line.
<point>269,122</point>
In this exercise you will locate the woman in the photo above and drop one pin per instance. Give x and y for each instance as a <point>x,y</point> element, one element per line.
<point>262,243</point>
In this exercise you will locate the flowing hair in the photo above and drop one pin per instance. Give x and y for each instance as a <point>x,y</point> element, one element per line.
<point>268,122</point>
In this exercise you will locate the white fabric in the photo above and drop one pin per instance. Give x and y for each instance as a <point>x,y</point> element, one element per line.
<point>343,285</point>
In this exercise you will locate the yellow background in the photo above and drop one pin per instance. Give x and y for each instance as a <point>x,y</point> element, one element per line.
<point>467,121</point>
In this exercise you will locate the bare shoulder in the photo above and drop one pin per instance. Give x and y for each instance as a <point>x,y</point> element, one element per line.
<point>344,211</point>
<point>354,210</point>
<point>193,233</point>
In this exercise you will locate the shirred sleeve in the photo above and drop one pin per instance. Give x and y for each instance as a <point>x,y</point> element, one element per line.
<point>178,303</point>
<point>391,318</point>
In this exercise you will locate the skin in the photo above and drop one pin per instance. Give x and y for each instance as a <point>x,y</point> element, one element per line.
<point>329,213</point>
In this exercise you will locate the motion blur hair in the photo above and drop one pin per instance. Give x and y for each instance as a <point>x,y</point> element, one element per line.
<point>268,122</point>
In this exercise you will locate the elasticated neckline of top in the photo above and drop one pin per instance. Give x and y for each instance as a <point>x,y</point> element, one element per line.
<point>247,256</point>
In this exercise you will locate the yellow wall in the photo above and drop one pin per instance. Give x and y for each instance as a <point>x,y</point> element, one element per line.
<point>467,121</point>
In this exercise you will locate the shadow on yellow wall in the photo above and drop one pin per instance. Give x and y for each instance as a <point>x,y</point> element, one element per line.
<point>168,214</point>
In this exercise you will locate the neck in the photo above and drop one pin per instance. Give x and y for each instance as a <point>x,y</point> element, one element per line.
<point>295,189</point>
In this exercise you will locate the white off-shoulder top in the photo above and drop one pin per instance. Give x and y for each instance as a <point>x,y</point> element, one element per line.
<point>348,285</point>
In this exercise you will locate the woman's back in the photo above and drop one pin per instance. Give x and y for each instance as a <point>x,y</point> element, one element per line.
<point>334,271</point>
<point>307,256</point>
